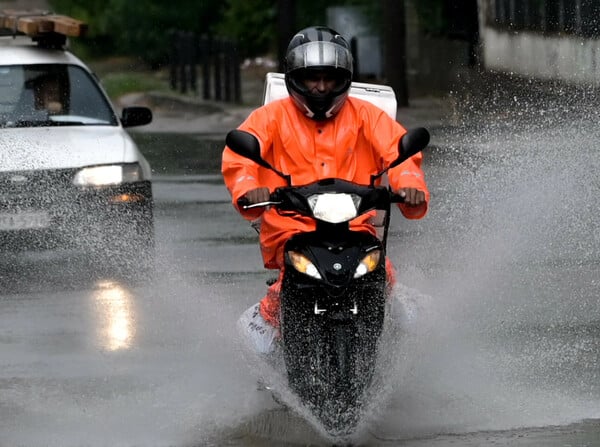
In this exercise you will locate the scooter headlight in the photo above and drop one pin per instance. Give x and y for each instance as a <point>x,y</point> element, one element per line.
<point>334,208</point>
<point>368,264</point>
<point>303,264</point>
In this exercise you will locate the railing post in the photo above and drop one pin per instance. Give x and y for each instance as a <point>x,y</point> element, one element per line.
<point>228,77</point>
<point>219,65</point>
<point>173,59</point>
<point>237,85</point>
<point>183,86</point>
<point>217,47</point>
<point>204,47</point>
<point>191,60</point>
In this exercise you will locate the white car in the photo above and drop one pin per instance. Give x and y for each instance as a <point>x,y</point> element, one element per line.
<point>69,172</point>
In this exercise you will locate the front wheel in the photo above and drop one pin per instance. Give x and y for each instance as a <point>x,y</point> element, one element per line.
<point>330,369</point>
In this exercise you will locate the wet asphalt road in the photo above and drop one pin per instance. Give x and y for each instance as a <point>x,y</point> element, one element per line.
<point>158,364</point>
<point>504,268</point>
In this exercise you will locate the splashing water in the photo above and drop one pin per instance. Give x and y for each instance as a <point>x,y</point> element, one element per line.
<point>500,280</point>
<point>509,255</point>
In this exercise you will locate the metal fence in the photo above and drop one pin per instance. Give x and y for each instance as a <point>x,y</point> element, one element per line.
<point>578,17</point>
<point>214,60</point>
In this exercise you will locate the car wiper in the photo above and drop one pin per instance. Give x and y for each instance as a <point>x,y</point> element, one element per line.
<point>65,123</point>
<point>38,123</point>
<point>22,123</point>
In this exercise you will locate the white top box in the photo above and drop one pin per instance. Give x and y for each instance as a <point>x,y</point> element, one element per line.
<point>382,96</point>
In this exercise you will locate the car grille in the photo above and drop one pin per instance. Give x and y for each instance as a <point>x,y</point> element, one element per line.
<point>35,189</point>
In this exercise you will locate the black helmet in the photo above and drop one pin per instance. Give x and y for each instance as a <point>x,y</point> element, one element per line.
<point>318,49</point>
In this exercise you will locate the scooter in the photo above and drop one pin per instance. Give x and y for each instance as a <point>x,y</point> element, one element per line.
<point>333,294</point>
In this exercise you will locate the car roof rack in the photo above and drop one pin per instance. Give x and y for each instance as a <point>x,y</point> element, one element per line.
<point>49,30</point>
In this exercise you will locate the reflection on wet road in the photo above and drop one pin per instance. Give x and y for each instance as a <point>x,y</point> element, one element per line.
<point>116,316</point>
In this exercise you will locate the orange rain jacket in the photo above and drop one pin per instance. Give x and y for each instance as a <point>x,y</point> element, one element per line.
<point>359,141</point>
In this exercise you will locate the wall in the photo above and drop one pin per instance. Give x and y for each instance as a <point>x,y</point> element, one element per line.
<point>560,56</point>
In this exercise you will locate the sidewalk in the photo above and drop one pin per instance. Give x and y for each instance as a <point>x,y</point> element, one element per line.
<point>178,113</point>
<point>477,97</point>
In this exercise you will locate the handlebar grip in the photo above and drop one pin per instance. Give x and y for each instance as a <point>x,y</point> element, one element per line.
<point>396,198</point>
<point>243,202</point>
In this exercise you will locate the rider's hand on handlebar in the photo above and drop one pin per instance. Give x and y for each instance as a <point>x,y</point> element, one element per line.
<point>412,196</point>
<point>257,195</point>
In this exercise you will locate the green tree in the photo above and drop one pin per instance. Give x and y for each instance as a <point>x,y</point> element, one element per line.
<point>144,30</point>
<point>252,24</point>
<point>98,39</point>
<point>140,28</point>
<point>431,16</point>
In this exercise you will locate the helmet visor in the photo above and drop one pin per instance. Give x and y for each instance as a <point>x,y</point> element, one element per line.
<point>304,80</point>
<point>319,54</point>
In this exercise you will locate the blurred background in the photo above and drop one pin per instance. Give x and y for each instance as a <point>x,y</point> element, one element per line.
<point>419,47</point>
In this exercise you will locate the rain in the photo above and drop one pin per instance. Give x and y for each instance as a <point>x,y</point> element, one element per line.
<point>498,340</point>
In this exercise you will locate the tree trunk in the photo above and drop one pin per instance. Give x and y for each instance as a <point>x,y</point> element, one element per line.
<point>394,48</point>
<point>286,27</point>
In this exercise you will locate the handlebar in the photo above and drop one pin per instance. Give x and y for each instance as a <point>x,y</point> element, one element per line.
<point>396,198</point>
<point>278,198</point>
<point>246,205</point>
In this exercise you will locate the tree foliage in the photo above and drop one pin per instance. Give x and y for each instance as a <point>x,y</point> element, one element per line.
<point>431,16</point>
<point>252,24</point>
<point>142,28</point>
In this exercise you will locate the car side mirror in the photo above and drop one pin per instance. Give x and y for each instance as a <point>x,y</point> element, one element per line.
<point>136,116</point>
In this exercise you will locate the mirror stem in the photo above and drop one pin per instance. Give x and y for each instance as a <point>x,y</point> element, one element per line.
<point>374,177</point>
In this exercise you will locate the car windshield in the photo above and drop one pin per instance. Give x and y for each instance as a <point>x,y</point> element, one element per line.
<point>51,95</point>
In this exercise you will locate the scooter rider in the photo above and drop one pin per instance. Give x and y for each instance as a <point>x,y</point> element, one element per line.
<point>317,132</point>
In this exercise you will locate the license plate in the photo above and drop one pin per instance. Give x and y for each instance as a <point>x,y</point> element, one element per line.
<point>24,221</point>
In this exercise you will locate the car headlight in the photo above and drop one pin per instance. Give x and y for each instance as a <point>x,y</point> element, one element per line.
<point>334,208</point>
<point>107,175</point>
<point>303,264</point>
<point>368,263</point>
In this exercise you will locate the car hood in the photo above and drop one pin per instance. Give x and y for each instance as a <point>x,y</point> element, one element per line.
<point>38,148</point>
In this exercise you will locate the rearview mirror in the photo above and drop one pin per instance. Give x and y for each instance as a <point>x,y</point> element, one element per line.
<point>411,143</point>
<point>245,144</point>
